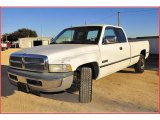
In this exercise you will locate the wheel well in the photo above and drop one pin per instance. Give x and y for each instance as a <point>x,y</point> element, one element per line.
<point>94,66</point>
<point>143,52</point>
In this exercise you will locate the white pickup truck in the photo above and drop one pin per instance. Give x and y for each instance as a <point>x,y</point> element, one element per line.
<point>75,57</point>
<point>3,46</point>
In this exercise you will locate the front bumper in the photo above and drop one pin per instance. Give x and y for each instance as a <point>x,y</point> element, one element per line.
<point>44,82</point>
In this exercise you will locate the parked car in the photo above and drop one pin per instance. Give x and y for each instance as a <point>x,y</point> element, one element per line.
<point>3,46</point>
<point>76,57</point>
<point>8,44</point>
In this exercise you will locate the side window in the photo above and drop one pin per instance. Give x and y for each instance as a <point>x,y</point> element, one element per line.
<point>109,33</point>
<point>120,35</point>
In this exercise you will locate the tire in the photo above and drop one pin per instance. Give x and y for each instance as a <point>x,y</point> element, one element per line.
<point>140,65</point>
<point>85,87</point>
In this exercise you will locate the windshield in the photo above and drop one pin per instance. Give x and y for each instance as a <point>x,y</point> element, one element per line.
<point>78,35</point>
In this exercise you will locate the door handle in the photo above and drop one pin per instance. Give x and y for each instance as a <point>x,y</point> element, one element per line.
<point>121,48</point>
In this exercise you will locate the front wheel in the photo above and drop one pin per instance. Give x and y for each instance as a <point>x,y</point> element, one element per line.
<point>85,87</point>
<point>140,65</point>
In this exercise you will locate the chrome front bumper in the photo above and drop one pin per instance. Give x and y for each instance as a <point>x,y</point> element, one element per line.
<point>44,82</point>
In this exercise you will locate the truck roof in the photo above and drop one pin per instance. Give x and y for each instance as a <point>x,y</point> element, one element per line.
<point>101,25</point>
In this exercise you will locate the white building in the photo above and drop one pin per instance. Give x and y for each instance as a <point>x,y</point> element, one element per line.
<point>33,41</point>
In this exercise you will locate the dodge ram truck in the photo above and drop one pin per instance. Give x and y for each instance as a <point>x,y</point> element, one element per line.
<point>76,57</point>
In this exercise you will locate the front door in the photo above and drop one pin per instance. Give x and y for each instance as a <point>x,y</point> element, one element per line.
<point>114,56</point>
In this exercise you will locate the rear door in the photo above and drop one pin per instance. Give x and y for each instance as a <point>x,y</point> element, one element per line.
<point>114,56</point>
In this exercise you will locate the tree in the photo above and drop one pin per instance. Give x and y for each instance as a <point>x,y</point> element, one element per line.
<point>4,36</point>
<point>20,33</point>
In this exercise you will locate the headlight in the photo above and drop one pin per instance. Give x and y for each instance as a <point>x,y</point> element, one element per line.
<point>60,68</point>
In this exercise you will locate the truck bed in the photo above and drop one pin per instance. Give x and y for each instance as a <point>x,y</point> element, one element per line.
<point>136,40</point>
<point>136,47</point>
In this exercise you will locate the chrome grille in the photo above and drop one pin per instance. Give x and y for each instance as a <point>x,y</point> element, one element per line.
<point>18,65</point>
<point>36,67</point>
<point>34,60</point>
<point>29,62</point>
<point>14,58</point>
<point>16,61</point>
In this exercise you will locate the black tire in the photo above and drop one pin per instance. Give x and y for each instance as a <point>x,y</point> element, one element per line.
<point>140,65</point>
<point>85,88</point>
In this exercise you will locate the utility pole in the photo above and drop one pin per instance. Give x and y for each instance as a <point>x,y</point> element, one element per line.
<point>41,32</point>
<point>118,18</point>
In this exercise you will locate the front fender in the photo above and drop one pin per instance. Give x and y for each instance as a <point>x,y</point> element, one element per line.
<point>78,60</point>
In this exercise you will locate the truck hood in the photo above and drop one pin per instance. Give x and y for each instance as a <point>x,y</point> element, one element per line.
<point>58,51</point>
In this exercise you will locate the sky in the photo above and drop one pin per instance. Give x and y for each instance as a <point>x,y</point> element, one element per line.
<point>48,22</point>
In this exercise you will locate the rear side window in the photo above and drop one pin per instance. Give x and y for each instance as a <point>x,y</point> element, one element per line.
<point>120,35</point>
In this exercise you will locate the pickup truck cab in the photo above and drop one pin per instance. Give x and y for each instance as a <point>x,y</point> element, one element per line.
<point>76,57</point>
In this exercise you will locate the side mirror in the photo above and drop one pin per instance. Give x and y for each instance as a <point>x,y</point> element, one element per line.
<point>110,40</point>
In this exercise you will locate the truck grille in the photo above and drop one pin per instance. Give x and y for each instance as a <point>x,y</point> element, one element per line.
<point>35,60</point>
<point>35,67</point>
<point>18,65</point>
<point>16,61</point>
<point>14,58</point>
<point>29,62</point>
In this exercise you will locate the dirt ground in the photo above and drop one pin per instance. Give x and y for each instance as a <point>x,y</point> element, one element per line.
<point>124,91</point>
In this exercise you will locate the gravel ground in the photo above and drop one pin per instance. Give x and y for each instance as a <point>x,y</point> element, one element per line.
<point>124,91</point>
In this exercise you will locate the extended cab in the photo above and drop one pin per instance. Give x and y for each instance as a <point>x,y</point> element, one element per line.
<point>75,57</point>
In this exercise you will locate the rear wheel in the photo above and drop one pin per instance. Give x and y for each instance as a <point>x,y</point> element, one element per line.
<point>85,86</point>
<point>140,65</point>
